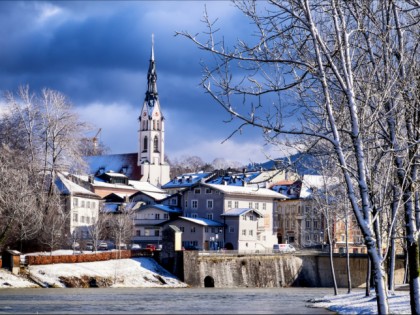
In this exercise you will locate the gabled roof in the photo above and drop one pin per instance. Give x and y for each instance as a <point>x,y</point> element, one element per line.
<point>148,189</point>
<point>253,191</point>
<point>161,207</point>
<point>67,187</point>
<point>186,180</point>
<point>235,212</point>
<point>119,163</point>
<point>202,221</point>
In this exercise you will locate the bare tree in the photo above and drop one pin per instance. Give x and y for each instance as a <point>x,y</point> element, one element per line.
<point>348,66</point>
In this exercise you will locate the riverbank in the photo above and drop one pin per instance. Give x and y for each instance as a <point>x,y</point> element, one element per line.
<point>146,273</point>
<point>135,272</point>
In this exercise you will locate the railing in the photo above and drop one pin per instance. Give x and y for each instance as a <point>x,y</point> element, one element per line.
<point>250,252</point>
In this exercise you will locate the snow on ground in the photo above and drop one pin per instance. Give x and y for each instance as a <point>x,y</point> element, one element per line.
<point>145,272</point>
<point>9,280</point>
<point>134,272</point>
<point>357,303</point>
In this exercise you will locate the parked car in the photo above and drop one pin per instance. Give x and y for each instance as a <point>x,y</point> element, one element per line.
<point>135,246</point>
<point>89,246</point>
<point>121,246</point>
<point>283,248</point>
<point>151,247</point>
<point>103,246</point>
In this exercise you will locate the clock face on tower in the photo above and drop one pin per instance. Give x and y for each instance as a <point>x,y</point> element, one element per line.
<point>144,114</point>
<point>157,114</point>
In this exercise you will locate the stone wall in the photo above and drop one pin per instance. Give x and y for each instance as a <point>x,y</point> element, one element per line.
<point>274,270</point>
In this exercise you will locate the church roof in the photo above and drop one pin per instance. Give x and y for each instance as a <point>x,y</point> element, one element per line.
<point>120,163</point>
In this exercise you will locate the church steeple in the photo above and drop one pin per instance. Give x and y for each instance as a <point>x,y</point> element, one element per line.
<point>151,93</point>
<point>151,155</point>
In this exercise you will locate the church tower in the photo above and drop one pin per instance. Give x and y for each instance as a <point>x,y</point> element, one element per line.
<point>151,153</point>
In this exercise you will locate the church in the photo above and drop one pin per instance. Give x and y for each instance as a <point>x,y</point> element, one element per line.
<point>148,164</point>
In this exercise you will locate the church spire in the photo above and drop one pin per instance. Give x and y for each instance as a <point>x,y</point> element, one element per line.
<point>151,93</point>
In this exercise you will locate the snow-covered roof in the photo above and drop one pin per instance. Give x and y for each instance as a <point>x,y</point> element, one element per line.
<point>186,180</point>
<point>253,191</point>
<point>202,221</point>
<point>235,212</point>
<point>150,190</point>
<point>67,187</point>
<point>120,163</point>
<point>164,208</point>
<point>110,207</point>
<point>315,181</point>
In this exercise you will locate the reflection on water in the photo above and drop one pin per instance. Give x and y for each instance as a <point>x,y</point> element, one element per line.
<point>162,301</point>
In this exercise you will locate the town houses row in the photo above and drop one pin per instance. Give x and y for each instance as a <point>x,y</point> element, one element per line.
<point>247,210</point>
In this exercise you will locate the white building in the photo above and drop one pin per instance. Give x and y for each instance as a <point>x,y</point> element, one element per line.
<point>151,155</point>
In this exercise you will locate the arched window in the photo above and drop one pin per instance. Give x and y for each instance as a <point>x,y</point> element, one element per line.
<point>145,144</point>
<point>156,144</point>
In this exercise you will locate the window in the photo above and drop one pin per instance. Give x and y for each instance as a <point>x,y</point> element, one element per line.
<point>264,206</point>
<point>197,191</point>
<point>208,191</point>
<point>186,204</point>
<point>138,233</point>
<point>206,229</point>
<point>308,224</point>
<point>194,215</point>
<point>174,202</point>
<point>156,144</point>
<point>145,144</point>
<point>88,204</point>
<point>93,220</point>
<point>87,220</point>
<point>193,229</point>
<point>231,229</point>
<point>194,204</point>
<point>236,204</point>
<point>243,232</point>
<point>210,216</point>
<point>82,204</point>
<point>229,204</point>
<point>158,124</point>
<point>307,237</point>
<point>157,216</point>
<point>244,217</point>
<point>307,208</point>
<point>93,205</point>
<point>154,124</point>
<point>75,217</point>
<point>82,219</point>
<point>166,216</point>
<point>250,205</point>
<point>251,218</point>
<point>75,202</point>
<point>257,205</point>
<point>315,224</point>
<point>251,232</point>
<point>209,203</point>
<point>156,232</point>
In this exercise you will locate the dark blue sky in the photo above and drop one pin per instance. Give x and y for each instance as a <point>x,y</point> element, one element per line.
<point>97,54</point>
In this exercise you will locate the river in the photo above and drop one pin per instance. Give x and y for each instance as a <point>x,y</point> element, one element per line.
<point>162,301</point>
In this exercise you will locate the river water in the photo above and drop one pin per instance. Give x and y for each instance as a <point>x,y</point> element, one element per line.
<point>162,301</point>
